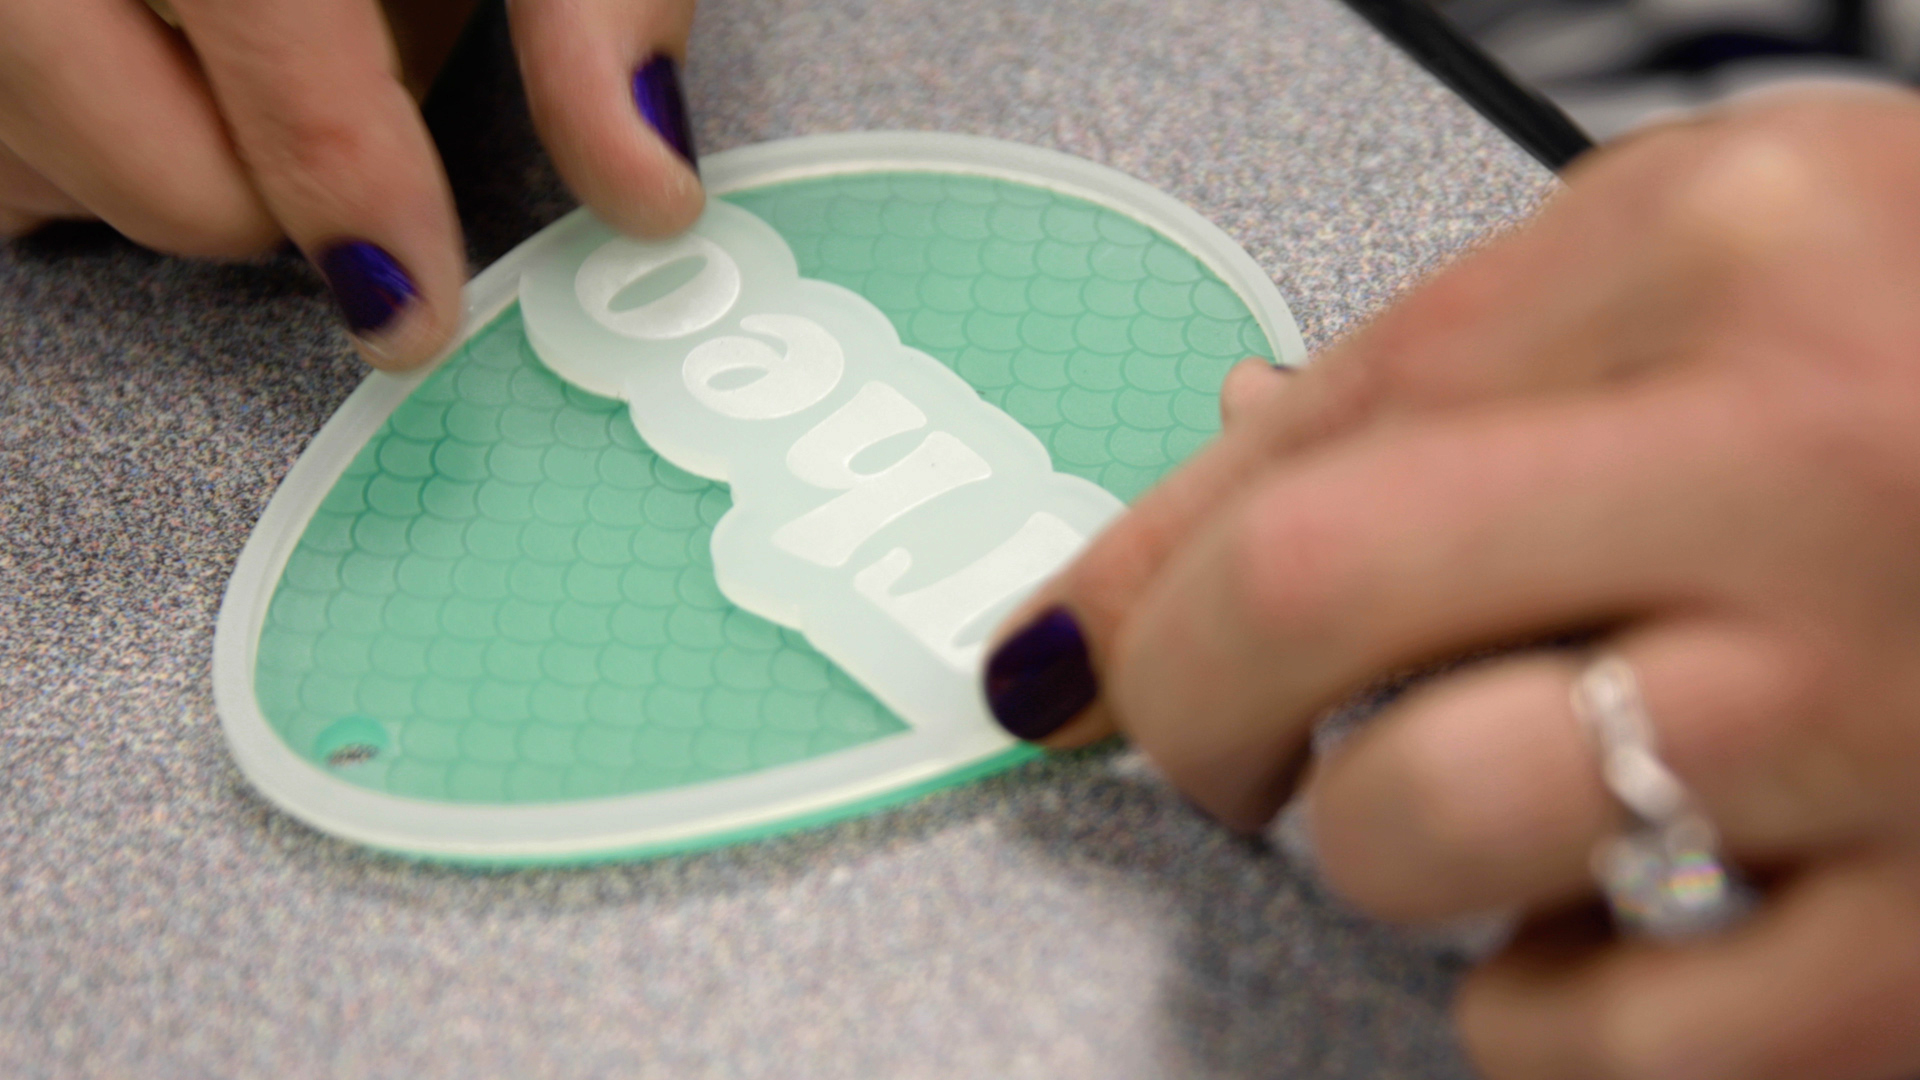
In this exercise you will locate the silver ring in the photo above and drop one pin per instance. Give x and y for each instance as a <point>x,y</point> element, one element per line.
<point>1663,876</point>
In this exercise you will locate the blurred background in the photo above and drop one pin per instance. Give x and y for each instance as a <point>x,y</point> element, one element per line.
<point>1616,64</point>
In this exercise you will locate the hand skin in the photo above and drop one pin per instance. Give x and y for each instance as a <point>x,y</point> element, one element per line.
<point>258,120</point>
<point>1680,411</point>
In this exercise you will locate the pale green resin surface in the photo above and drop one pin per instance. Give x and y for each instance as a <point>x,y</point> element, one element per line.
<point>508,598</point>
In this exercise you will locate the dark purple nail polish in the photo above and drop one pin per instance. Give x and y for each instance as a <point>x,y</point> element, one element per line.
<point>656,90</point>
<point>1040,678</point>
<point>370,284</point>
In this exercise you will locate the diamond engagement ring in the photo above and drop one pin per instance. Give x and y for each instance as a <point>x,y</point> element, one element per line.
<point>1663,877</point>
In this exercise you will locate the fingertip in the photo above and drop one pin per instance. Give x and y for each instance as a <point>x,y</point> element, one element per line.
<point>419,340</point>
<point>1092,725</point>
<point>663,204</point>
<point>660,194</point>
<point>662,103</point>
<point>1039,678</point>
<point>604,86</point>
<point>396,324</point>
<point>1247,383</point>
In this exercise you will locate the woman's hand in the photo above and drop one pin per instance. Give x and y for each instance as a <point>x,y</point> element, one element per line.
<point>261,119</point>
<point>1680,411</point>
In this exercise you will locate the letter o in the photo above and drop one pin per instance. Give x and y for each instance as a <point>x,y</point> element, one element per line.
<point>694,306</point>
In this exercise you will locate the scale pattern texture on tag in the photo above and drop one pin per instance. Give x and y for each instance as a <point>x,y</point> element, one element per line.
<point>481,621</point>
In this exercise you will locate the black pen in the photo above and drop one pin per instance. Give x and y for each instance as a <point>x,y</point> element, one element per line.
<point>1524,115</point>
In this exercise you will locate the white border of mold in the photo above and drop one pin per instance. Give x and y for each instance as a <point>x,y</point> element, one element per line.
<point>683,817</point>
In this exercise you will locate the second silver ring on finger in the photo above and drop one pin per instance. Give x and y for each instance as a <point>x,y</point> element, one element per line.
<point>1663,876</point>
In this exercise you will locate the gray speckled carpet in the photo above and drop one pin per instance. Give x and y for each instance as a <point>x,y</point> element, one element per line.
<point>1068,919</point>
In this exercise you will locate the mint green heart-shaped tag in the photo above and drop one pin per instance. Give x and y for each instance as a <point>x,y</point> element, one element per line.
<point>480,621</point>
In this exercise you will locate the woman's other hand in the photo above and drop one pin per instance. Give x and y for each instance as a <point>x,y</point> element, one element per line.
<point>218,127</point>
<point>1680,411</point>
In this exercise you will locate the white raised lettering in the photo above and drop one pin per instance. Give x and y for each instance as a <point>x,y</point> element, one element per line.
<point>789,381</point>
<point>689,309</point>
<point>795,392</point>
<point>824,456</point>
<point>939,612</point>
<point>829,535</point>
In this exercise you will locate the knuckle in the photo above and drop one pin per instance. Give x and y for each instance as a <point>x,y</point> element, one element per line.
<point>1354,382</point>
<point>1386,859</point>
<point>311,153</point>
<point>1756,191</point>
<point>1465,812</point>
<point>1106,580</point>
<point>1293,556</point>
<point>1456,301</point>
<point>1836,426</point>
<point>1445,822</point>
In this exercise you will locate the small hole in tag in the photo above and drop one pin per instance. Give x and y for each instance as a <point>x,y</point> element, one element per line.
<point>659,283</point>
<point>352,754</point>
<point>351,741</point>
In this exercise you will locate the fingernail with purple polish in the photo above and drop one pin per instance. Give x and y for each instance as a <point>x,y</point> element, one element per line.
<point>371,285</point>
<point>1041,677</point>
<point>656,90</point>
